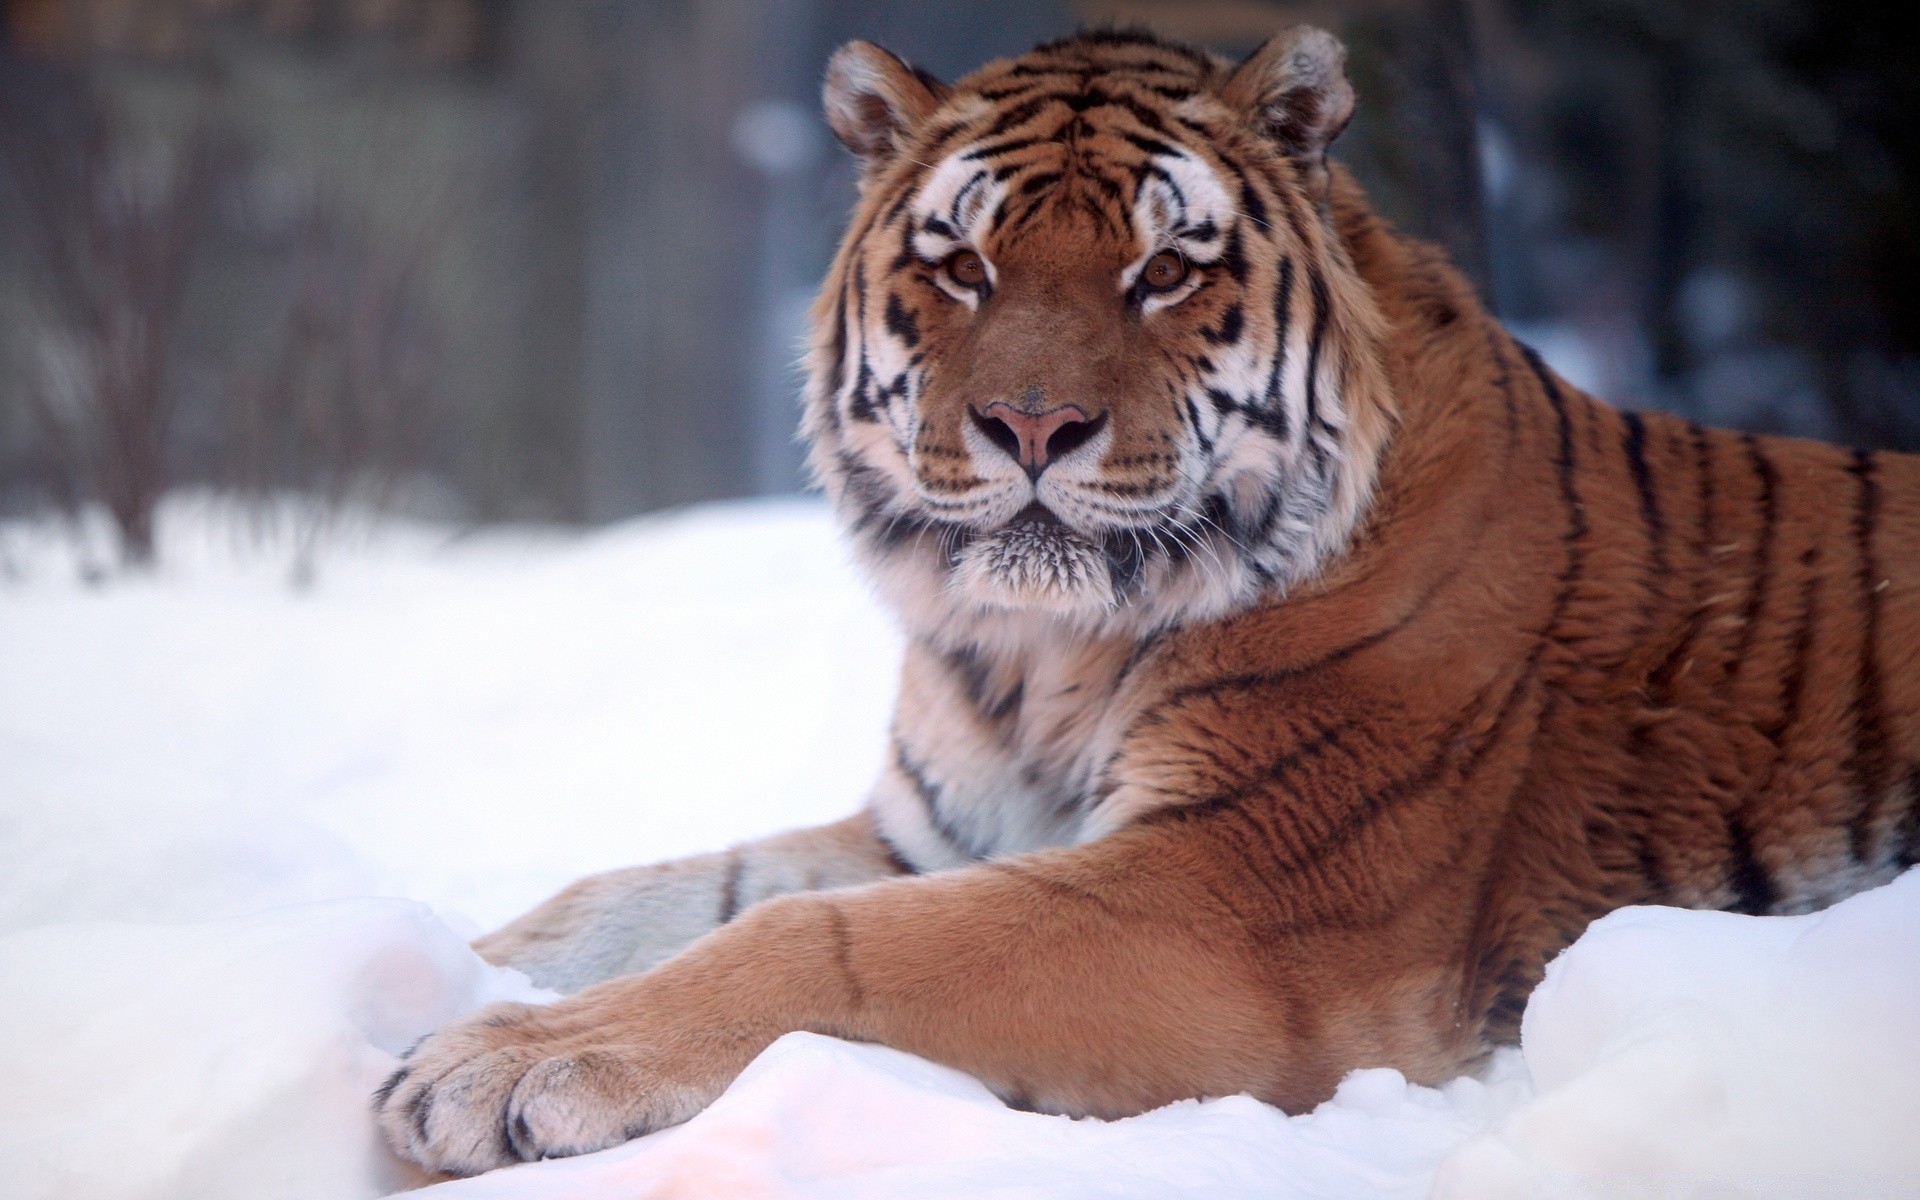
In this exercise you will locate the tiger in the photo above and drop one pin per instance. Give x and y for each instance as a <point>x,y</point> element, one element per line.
<point>1295,663</point>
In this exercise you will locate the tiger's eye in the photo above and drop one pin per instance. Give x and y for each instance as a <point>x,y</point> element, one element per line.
<point>967,268</point>
<point>1164,271</point>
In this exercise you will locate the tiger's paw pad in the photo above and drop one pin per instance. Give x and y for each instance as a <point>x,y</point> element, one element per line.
<point>503,1087</point>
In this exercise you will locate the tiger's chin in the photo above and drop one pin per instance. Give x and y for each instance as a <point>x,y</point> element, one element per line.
<point>1036,563</point>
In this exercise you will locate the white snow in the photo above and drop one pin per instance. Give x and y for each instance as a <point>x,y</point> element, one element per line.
<point>1675,1052</point>
<point>221,1059</point>
<point>245,831</point>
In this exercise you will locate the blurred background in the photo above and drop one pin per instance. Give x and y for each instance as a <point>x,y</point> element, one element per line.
<point>549,260</point>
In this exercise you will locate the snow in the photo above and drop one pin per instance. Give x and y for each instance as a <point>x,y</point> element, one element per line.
<point>245,831</point>
<point>818,1117</point>
<point>1769,1055</point>
<point>225,1058</point>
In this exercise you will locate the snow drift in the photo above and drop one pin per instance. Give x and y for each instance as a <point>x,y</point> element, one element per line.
<point>223,802</point>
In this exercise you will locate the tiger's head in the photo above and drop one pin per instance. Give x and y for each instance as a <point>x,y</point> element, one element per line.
<point>1090,350</point>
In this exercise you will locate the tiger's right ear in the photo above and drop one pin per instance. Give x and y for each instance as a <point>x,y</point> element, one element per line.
<point>874,101</point>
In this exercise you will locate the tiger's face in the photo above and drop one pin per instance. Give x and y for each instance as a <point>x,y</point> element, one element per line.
<point>1090,350</point>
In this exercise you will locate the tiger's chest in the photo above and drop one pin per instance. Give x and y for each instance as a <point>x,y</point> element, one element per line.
<point>999,753</point>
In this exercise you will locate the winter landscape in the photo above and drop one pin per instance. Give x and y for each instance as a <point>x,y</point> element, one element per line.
<point>246,829</point>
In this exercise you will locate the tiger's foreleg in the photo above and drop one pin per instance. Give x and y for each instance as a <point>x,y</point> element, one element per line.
<point>1106,979</point>
<point>625,921</point>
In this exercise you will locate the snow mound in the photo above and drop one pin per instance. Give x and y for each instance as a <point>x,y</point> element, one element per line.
<point>206,779</point>
<point>221,1059</point>
<point>1679,1052</point>
<point>815,1117</point>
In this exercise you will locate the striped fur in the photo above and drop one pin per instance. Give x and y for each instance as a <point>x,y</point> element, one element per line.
<point>1362,664</point>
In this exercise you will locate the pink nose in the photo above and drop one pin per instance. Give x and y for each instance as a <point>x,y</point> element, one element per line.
<point>1035,439</point>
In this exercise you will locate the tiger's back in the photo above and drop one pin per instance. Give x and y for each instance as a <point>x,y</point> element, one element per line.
<point>1734,721</point>
<point>1580,659</point>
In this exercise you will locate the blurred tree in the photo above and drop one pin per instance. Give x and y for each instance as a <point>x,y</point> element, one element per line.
<point>1743,174</point>
<point>345,408</point>
<point>113,220</point>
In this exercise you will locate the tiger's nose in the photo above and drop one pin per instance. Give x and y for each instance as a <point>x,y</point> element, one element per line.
<point>1035,439</point>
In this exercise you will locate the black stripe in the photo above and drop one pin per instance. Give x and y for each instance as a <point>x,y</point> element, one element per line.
<point>1252,204</point>
<point>384,1092</point>
<point>1769,479</point>
<point>1636,451</point>
<point>1139,112</point>
<point>860,404</point>
<point>1006,147</point>
<point>960,197</point>
<point>929,794</point>
<point>1126,562</point>
<point>1193,414</point>
<point>1653,585</point>
<point>1205,231</point>
<point>1282,318</point>
<point>1038,182</point>
<point>1019,114</point>
<point>1321,307</point>
<point>842,940</point>
<point>907,255</point>
<point>1300,754</point>
<point>1290,207</point>
<point>1233,255</point>
<point>895,859</point>
<point>1059,888</point>
<point>1236,825</point>
<point>1503,379</point>
<point>837,347</point>
<point>1011,91</point>
<point>976,678</point>
<point>973,672</point>
<point>894,210</point>
<point>1703,463</point>
<point>1755,892</point>
<point>1150,145</point>
<point>1265,679</point>
<point>1640,804</point>
<point>1565,465</point>
<point>1106,186</point>
<point>418,1110</point>
<point>1794,687</point>
<point>1228,331</point>
<point>1026,212</point>
<point>730,887</point>
<point>1137,655</point>
<point>1447,748</point>
<point>1870,735</point>
<point>1155,171</point>
<point>1031,70</point>
<point>1665,677</point>
<point>1753,887</point>
<point>1906,852</point>
<point>933,144</point>
<point>900,322</point>
<point>1448,754</point>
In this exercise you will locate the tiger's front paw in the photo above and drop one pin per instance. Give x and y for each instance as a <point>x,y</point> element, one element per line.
<point>516,1082</point>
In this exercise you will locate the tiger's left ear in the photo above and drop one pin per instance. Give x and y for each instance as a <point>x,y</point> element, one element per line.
<point>1295,88</point>
<point>874,101</point>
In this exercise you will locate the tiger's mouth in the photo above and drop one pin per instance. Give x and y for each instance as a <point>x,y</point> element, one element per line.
<point>1037,561</point>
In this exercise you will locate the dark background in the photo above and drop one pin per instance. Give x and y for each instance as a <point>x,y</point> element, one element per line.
<point>550,259</point>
